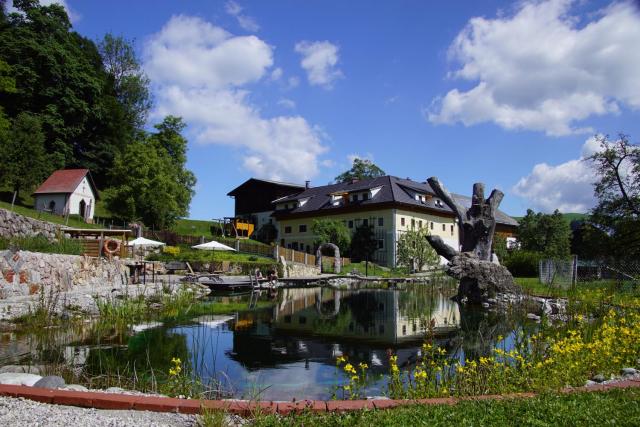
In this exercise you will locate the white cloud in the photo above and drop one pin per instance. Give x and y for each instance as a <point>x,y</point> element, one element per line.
<point>319,60</point>
<point>276,74</point>
<point>538,69</point>
<point>245,22</point>
<point>287,103</point>
<point>73,15</point>
<point>200,72</point>
<point>567,186</point>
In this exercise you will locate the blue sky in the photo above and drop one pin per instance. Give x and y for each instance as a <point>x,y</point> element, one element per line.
<point>500,92</point>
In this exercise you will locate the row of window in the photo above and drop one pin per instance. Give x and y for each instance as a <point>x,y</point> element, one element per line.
<point>302,228</point>
<point>413,224</point>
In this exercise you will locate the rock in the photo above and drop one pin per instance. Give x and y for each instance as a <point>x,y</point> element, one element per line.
<point>628,371</point>
<point>15,378</point>
<point>50,381</point>
<point>599,378</point>
<point>74,387</point>
<point>21,369</point>
<point>485,305</point>
<point>115,390</point>
<point>492,301</point>
<point>590,383</point>
<point>533,317</point>
<point>480,280</point>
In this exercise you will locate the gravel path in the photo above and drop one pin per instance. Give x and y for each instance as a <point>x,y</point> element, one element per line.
<point>21,412</point>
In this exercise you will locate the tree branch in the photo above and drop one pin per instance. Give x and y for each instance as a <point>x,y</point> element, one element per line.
<point>441,247</point>
<point>442,192</point>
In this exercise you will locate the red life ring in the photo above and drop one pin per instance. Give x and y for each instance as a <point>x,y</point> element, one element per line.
<point>111,246</point>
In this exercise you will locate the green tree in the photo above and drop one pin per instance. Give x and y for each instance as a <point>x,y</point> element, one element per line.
<point>24,160</point>
<point>331,231</point>
<point>617,213</point>
<point>7,85</point>
<point>363,243</point>
<point>149,184</point>
<point>361,169</point>
<point>60,77</point>
<point>548,234</point>
<point>131,85</point>
<point>414,251</point>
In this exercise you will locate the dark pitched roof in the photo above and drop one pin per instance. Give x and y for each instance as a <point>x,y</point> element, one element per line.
<point>251,180</point>
<point>65,181</point>
<point>393,190</point>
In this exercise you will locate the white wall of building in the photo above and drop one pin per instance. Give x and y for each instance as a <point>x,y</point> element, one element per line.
<point>83,192</point>
<point>69,203</point>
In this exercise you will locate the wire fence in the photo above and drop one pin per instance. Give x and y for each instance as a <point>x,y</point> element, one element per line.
<point>573,272</point>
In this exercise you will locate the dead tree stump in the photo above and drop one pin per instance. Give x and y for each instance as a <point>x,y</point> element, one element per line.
<point>479,278</point>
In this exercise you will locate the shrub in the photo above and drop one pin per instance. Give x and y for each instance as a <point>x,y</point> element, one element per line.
<point>523,263</point>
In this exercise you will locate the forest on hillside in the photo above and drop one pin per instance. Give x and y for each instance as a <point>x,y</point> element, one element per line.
<point>67,101</point>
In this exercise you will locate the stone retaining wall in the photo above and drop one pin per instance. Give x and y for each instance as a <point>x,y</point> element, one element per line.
<point>296,269</point>
<point>28,273</point>
<point>16,225</point>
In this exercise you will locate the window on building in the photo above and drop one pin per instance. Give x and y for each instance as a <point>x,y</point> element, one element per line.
<point>365,196</point>
<point>354,197</point>
<point>404,329</point>
<point>413,223</point>
<point>350,223</point>
<point>302,228</point>
<point>365,222</point>
<point>380,243</point>
<point>402,222</point>
<point>381,329</point>
<point>431,225</point>
<point>420,224</point>
<point>287,229</point>
<point>444,227</point>
<point>380,222</point>
<point>294,246</point>
<point>452,230</point>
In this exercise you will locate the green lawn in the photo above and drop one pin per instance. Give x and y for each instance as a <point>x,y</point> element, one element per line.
<point>194,227</point>
<point>43,216</point>
<point>615,407</point>
<point>373,270</point>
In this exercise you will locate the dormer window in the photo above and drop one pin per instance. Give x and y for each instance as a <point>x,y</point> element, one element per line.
<point>354,197</point>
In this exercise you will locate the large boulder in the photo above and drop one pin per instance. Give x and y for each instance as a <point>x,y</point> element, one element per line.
<point>479,280</point>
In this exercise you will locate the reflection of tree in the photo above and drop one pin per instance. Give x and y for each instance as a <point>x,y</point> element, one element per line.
<point>338,325</point>
<point>364,306</point>
<point>418,301</point>
<point>150,349</point>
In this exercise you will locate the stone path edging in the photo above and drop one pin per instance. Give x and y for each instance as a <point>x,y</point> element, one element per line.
<point>98,400</point>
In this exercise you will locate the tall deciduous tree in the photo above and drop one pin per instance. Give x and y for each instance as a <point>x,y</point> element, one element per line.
<point>414,251</point>
<point>131,85</point>
<point>361,169</point>
<point>331,231</point>
<point>149,184</point>
<point>617,214</point>
<point>24,160</point>
<point>548,234</point>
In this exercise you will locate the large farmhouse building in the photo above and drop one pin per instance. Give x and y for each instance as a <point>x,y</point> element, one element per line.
<point>389,204</point>
<point>68,192</point>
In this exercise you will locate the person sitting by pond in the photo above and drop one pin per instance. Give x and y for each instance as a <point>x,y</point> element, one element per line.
<point>258,273</point>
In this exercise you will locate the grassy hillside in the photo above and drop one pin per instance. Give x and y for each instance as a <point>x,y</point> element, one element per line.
<point>73,221</point>
<point>572,216</point>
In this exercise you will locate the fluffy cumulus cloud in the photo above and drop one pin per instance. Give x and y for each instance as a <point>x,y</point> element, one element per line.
<point>201,71</point>
<point>567,186</point>
<point>245,22</point>
<point>544,69</point>
<point>320,60</point>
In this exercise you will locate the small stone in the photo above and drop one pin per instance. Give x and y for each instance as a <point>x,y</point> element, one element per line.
<point>74,387</point>
<point>15,378</point>
<point>485,304</point>
<point>628,371</point>
<point>115,390</point>
<point>50,381</point>
<point>533,317</point>
<point>598,378</point>
<point>590,383</point>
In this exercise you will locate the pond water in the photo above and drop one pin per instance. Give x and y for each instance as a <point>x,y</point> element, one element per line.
<point>283,346</point>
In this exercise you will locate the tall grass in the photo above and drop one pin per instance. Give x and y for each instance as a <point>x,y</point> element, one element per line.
<point>42,244</point>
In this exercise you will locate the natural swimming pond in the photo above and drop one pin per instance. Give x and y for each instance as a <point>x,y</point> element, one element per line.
<point>281,346</point>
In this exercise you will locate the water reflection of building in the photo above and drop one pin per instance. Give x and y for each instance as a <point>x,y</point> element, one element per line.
<point>389,317</point>
<point>321,324</point>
